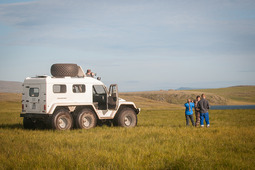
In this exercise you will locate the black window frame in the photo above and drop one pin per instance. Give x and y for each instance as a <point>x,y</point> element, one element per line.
<point>83,88</point>
<point>32,92</point>
<point>96,91</point>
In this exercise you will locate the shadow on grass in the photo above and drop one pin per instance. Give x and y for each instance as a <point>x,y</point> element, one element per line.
<point>20,126</point>
<point>11,126</point>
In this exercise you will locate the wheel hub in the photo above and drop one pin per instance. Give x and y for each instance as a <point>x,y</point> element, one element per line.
<point>86,121</point>
<point>62,123</point>
<point>128,120</point>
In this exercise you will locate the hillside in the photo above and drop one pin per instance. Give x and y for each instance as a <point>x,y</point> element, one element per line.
<point>239,95</point>
<point>174,99</point>
<point>233,94</point>
<point>10,87</point>
<point>10,97</point>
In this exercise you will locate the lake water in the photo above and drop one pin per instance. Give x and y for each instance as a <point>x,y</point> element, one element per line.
<point>230,107</point>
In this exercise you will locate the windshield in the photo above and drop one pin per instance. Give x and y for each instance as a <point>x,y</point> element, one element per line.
<point>99,89</point>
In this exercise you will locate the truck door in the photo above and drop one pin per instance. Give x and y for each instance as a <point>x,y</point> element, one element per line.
<point>100,97</point>
<point>113,99</point>
<point>34,99</point>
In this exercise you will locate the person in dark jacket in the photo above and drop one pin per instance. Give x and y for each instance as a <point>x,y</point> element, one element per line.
<point>189,112</point>
<point>197,111</point>
<point>203,105</point>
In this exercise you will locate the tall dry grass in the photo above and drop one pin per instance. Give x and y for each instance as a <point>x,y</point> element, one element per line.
<point>160,141</point>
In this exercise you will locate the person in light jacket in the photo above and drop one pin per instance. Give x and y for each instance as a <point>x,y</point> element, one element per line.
<point>189,112</point>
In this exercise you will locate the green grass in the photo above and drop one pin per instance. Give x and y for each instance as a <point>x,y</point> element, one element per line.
<point>160,141</point>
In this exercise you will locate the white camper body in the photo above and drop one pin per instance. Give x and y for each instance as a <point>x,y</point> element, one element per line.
<point>70,99</point>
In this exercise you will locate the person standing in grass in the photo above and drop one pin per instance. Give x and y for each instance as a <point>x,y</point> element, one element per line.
<point>197,111</point>
<point>203,105</point>
<point>189,112</point>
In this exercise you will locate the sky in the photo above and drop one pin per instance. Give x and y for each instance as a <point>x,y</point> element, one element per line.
<point>139,44</point>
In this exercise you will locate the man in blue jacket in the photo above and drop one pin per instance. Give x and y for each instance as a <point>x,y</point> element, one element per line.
<point>189,112</point>
<point>203,105</point>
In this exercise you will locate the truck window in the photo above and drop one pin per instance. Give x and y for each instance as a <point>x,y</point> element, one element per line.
<point>79,88</point>
<point>59,88</point>
<point>34,92</point>
<point>99,89</point>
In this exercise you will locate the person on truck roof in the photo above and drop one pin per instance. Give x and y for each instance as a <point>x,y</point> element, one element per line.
<point>89,73</point>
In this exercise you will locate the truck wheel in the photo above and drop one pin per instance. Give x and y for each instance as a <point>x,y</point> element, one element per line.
<point>28,123</point>
<point>86,119</point>
<point>127,118</point>
<point>62,70</point>
<point>62,120</point>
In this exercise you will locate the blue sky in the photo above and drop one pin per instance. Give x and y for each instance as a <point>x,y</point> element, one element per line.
<point>138,44</point>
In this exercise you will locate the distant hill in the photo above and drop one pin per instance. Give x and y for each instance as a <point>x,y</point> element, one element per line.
<point>186,88</point>
<point>234,94</point>
<point>237,95</point>
<point>10,87</point>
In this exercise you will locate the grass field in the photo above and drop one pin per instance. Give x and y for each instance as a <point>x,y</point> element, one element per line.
<point>160,141</point>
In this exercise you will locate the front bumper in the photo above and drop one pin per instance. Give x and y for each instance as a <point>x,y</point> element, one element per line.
<point>138,110</point>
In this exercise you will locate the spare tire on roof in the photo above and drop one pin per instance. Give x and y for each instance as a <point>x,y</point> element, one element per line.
<point>64,70</point>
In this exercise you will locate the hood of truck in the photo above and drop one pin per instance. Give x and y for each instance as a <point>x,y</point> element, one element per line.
<point>121,100</point>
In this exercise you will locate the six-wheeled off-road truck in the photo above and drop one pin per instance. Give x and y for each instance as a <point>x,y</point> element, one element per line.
<point>70,99</point>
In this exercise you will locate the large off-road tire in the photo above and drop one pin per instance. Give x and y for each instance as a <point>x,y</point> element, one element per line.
<point>40,124</point>
<point>127,118</point>
<point>63,70</point>
<point>28,123</point>
<point>61,120</point>
<point>85,119</point>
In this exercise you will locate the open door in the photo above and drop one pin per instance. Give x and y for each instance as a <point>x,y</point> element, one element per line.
<point>113,99</point>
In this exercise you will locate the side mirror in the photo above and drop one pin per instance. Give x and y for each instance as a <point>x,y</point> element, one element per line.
<point>98,78</point>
